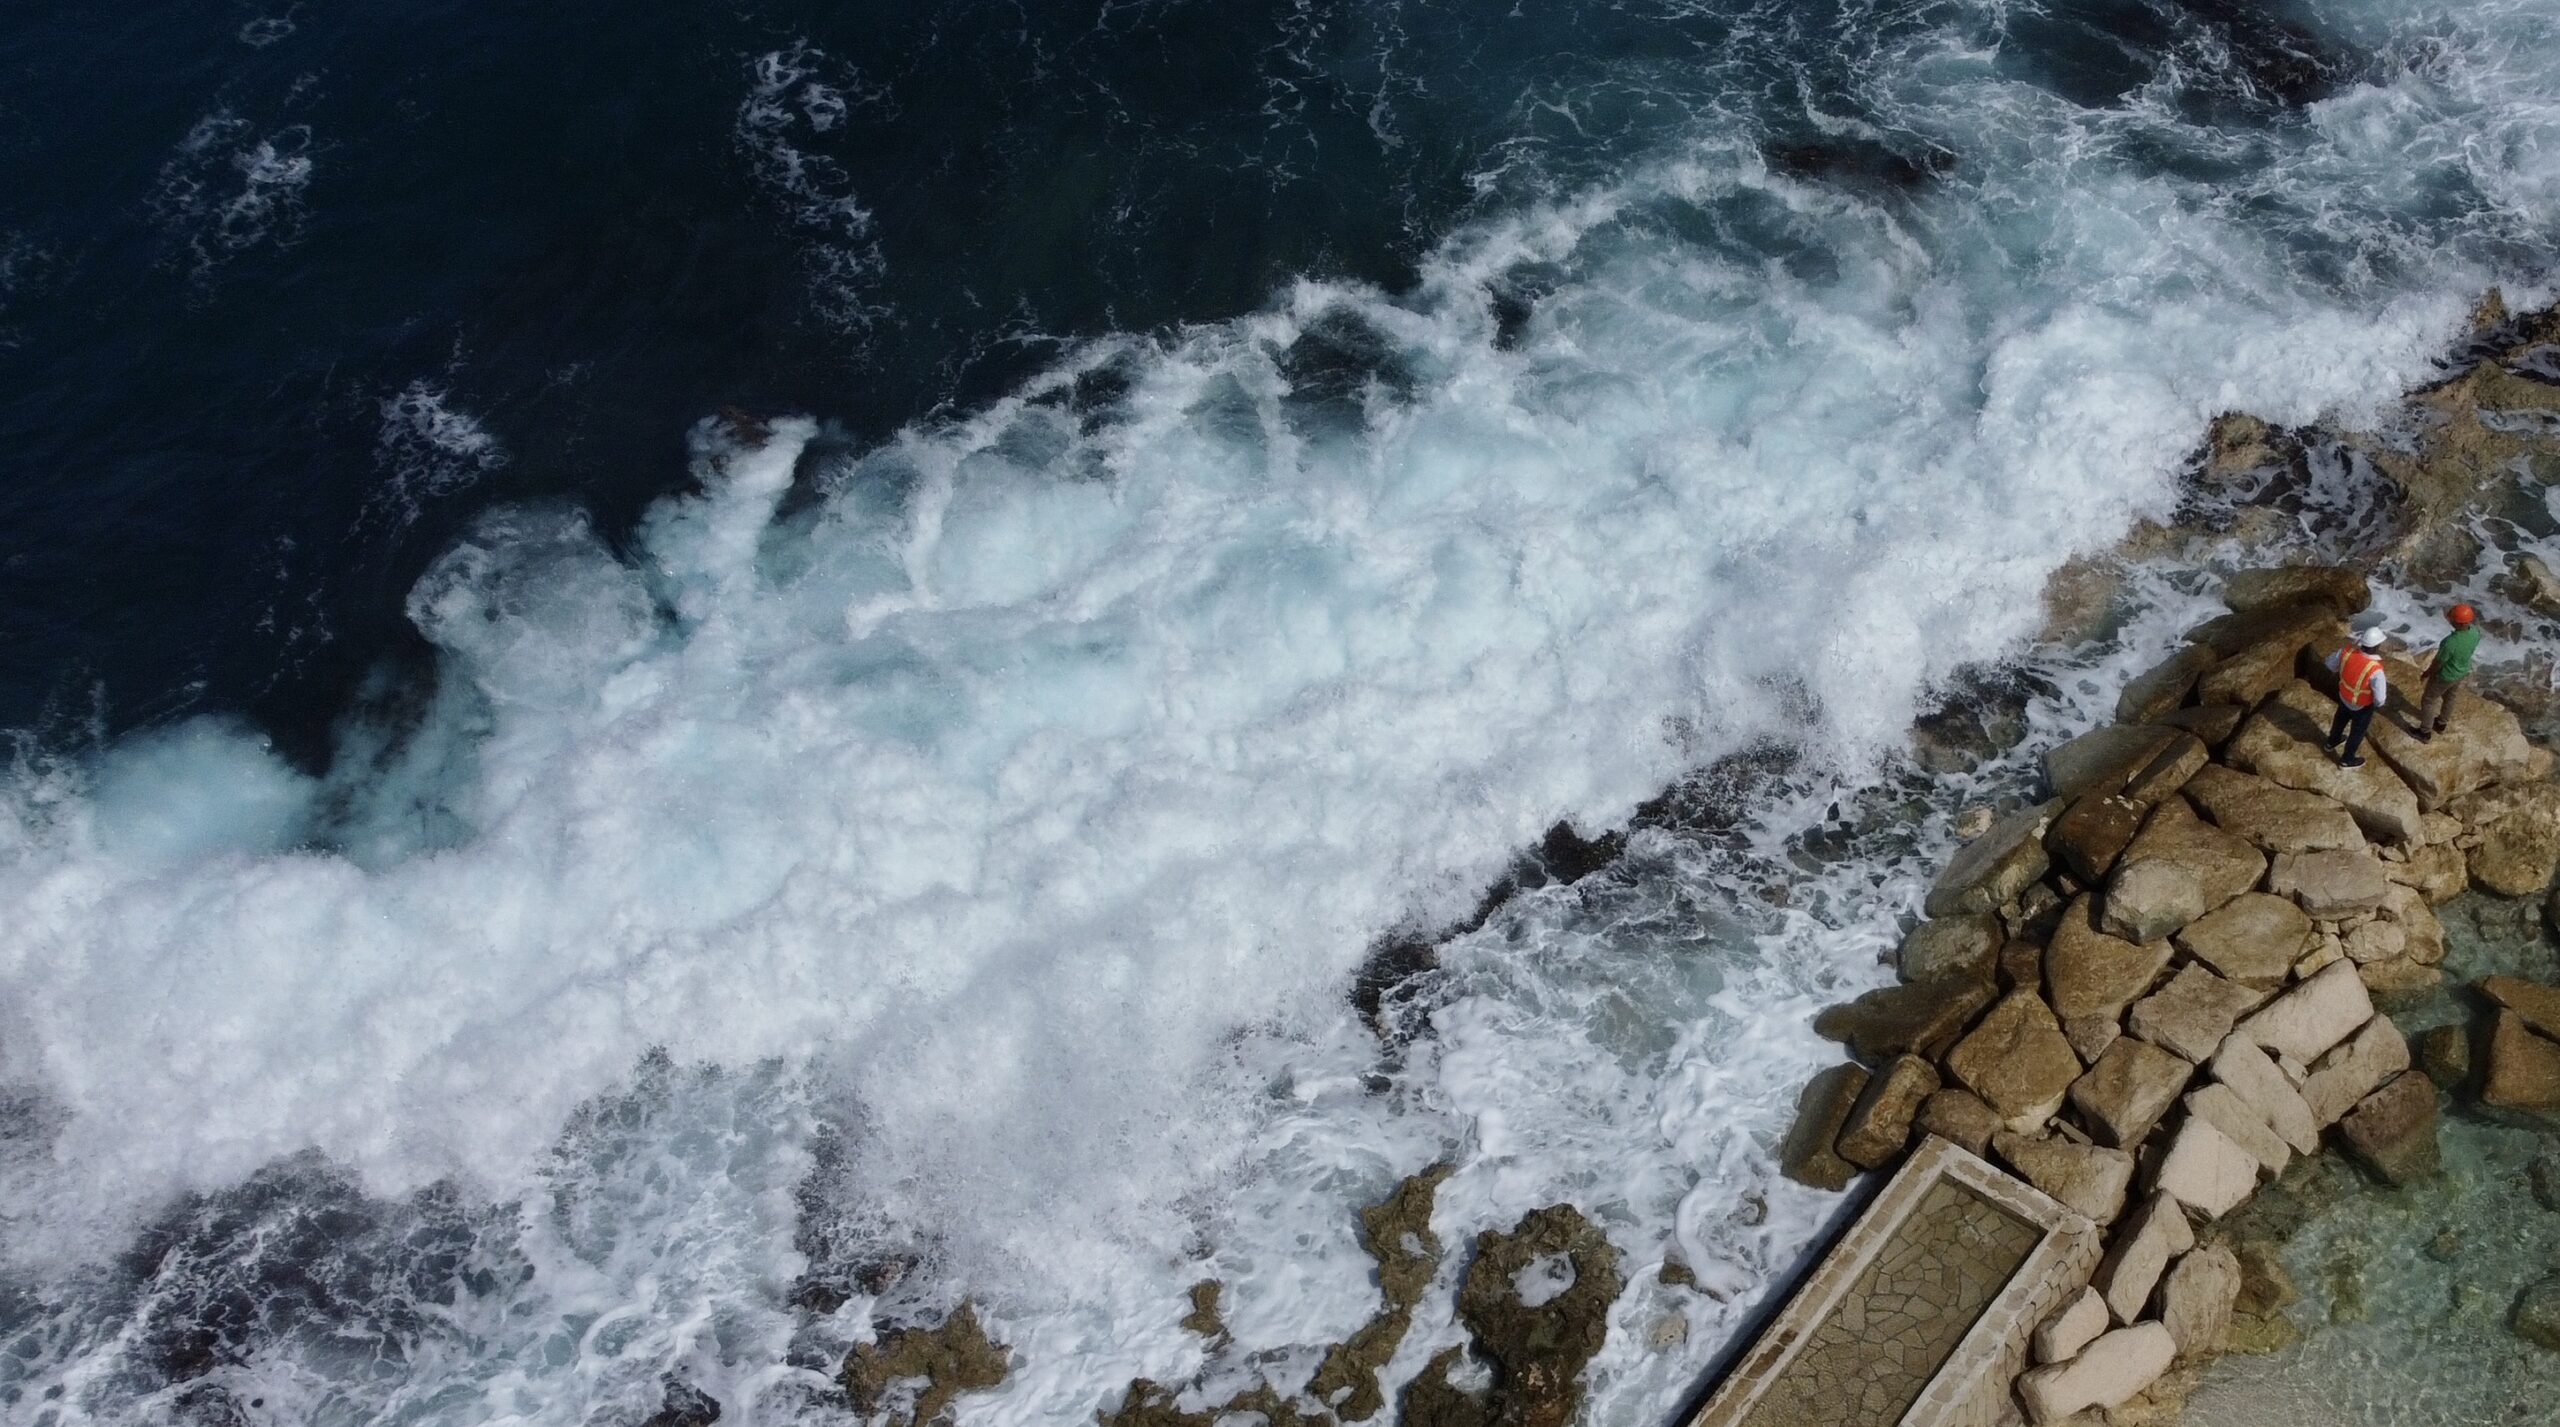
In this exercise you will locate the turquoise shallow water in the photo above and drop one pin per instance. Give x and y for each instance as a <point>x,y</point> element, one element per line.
<point>2407,1293</point>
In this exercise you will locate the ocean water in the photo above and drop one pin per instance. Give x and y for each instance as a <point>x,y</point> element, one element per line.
<point>522,888</point>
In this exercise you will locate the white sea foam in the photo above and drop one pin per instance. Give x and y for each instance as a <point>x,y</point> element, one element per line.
<point>230,187</point>
<point>1022,803</point>
<point>797,95</point>
<point>427,450</point>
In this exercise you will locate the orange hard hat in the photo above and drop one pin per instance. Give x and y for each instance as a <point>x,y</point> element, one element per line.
<point>2463,614</point>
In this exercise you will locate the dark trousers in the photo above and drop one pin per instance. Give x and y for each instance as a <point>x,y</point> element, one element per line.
<point>2350,725</point>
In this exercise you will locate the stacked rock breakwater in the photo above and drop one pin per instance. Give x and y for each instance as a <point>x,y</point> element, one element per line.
<point>2148,994</point>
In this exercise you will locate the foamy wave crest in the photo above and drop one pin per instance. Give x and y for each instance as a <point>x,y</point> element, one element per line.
<point>979,832</point>
<point>428,450</point>
<point>230,187</point>
<point>799,94</point>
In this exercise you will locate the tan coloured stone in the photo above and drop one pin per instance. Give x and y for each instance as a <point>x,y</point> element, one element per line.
<point>2093,834</point>
<point>2091,1035</point>
<point>2281,743</point>
<point>2192,1013</point>
<point>2017,1060</point>
<point>2127,1089</point>
<point>2272,1095</point>
<point>2253,939</point>
<point>2090,973</point>
<point>1964,948</point>
<point>2339,590</point>
<point>2157,692</point>
<point>2329,952</point>
<point>2354,1070</point>
<point>2073,1326</point>
<point>2295,625</point>
<point>2538,1005</point>
<point>2178,869</point>
<point>2196,1299</point>
<point>2139,1251</point>
<point>2421,931</point>
<point>2102,759</point>
<point>2523,1069</point>
<point>1897,1020</point>
<point>2270,815</point>
<point>2519,854</point>
<point>2168,770</point>
<point>2107,1372</point>
<point>2230,1114</point>
<point>2214,723</point>
<point>2439,873</point>
<point>2205,1171</point>
<point>2393,1130</point>
<point>2305,1021</point>
<point>2482,744</point>
<point>1993,869</point>
<point>2401,983</point>
<point>2261,669</point>
<point>2090,1179</point>
<point>1807,1156</point>
<point>1959,1117</point>
<point>2376,941</point>
<point>2331,885</point>
<point>1879,1125</point>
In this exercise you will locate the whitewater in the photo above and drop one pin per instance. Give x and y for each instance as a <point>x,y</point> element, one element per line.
<point>938,868</point>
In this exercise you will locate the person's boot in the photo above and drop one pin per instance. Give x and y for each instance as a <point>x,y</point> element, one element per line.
<point>2439,728</point>
<point>2424,734</point>
<point>2355,762</point>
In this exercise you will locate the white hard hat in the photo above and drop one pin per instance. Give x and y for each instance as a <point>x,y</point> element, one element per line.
<point>2372,638</point>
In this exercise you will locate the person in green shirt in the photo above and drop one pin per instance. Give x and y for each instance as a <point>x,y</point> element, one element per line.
<point>2446,671</point>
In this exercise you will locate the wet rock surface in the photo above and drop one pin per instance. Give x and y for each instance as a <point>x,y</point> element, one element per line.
<point>943,1362</point>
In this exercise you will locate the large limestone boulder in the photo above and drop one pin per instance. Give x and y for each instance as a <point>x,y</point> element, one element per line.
<point>2073,1326</point>
<point>1897,1020</point>
<point>2168,770</point>
<point>1990,871</point>
<point>2132,1084</point>
<point>2341,591</point>
<point>2157,692</point>
<point>2196,1299</point>
<point>2192,1012</point>
<point>2088,973</point>
<point>2271,816</point>
<point>2103,759</point>
<point>2355,1069</point>
<point>2089,1179</point>
<point>2178,869</point>
<point>2281,743</point>
<point>2205,1171</point>
<point>2254,939</point>
<point>2331,886</point>
<point>2305,1021</point>
<point>2537,1004</point>
<point>2214,723</point>
<point>2223,1106</point>
<point>2393,1130</point>
<point>2017,1060</point>
<point>1960,1118</point>
<point>1879,1125</point>
<point>2296,625</point>
<point>2106,1373</point>
<point>2439,873</point>
<point>2523,1069</point>
<point>1822,1107</point>
<point>2139,1251</point>
<point>2482,744</point>
<point>2096,830</point>
<point>2400,983</point>
<point>2421,930</point>
<point>2518,852</point>
<point>1960,948</point>
<point>2245,1068</point>
<point>2264,667</point>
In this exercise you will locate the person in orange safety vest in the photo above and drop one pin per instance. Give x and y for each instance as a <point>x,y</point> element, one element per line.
<point>2362,688</point>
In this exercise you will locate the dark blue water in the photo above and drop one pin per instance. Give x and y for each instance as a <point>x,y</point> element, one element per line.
<point>233,238</point>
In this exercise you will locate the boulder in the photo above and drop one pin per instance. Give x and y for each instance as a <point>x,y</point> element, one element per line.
<point>2482,744</point>
<point>2088,972</point>
<point>2088,1179</point>
<point>2168,770</point>
<point>2305,1021</point>
<point>2140,1250</point>
<point>1822,1107</point>
<point>1961,948</point>
<point>2091,1035</point>
<point>2126,1091</point>
<point>1900,1020</point>
<point>2331,886</point>
<point>2537,1315</point>
<point>2073,1326</point>
<point>2523,1070</point>
<point>2270,815</point>
<point>2259,670</point>
<point>2340,591</point>
<point>2022,966</point>
<point>2438,873</point>
<point>2087,839</point>
<point>2158,691</point>
<point>2376,941</point>
<point>2518,855</point>
<point>1990,871</point>
<point>2205,1171</point>
<point>2192,1013</point>
<point>2393,1130</point>
<point>2102,759</point>
<point>2267,1090</point>
<point>2107,1372</point>
<point>2230,634</point>
<point>2231,1115</point>
<point>2214,723</point>
<point>2421,930</point>
<point>2253,939</point>
<point>2444,1053</point>
<point>1960,1118</point>
<point>2354,1070</point>
<point>2017,1061</point>
<point>2178,869</point>
<point>2033,915</point>
<point>2399,984</point>
<point>1879,1125</point>
<point>2281,743</point>
<point>2196,1300</point>
<point>2536,1004</point>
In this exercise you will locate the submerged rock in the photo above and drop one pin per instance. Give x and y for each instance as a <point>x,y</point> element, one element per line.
<point>1808,1156</point>
<point>2393,1131</point>
<point>1538,1350</point>
<point>1396,1232</point>
<point>2537,1315</point>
